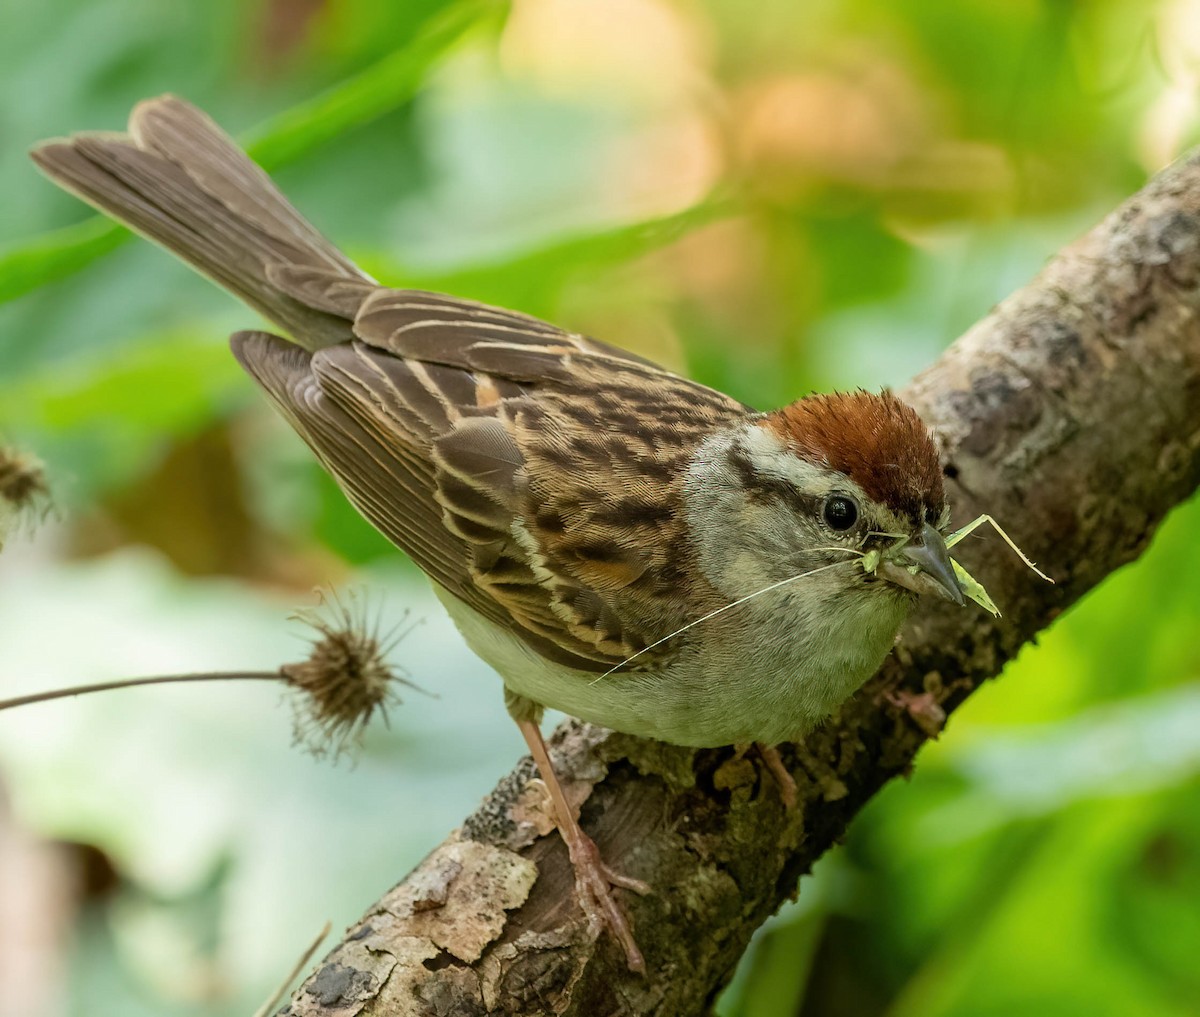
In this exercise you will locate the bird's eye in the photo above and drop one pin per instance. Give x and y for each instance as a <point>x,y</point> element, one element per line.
<point>840,512</point>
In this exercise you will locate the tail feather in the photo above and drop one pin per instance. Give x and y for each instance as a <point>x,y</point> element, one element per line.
<point>179,180</point>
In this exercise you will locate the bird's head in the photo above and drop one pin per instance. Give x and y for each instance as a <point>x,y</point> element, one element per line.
<point>847,477</point>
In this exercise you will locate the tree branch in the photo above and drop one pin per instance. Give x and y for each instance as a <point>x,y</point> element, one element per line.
<point>1072,414</point>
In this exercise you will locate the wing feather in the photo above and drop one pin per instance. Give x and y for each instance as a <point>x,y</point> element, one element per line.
<point>473,438</point>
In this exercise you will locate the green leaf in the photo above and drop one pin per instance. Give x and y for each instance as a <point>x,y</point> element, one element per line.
<point>358,100</point>
<point>56,255</point>
<point>379,89</point>
<point>103,421</point>
<point>521,279</point>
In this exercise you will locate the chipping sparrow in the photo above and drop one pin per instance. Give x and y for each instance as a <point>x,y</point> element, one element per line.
<point>618,542</point>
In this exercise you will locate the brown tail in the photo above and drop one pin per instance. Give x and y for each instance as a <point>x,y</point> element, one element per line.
<point>179,180</point>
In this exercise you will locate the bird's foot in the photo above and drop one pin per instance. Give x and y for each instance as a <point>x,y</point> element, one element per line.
<point>594,881</point>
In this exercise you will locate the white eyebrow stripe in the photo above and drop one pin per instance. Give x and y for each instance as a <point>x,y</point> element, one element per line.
<point>771,457</point>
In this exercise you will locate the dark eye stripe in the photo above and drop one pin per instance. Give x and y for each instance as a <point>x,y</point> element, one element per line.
<point>763,490</point>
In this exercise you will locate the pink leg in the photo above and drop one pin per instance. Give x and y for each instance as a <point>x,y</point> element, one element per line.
<point>593,879</point>
<point>783,780</point>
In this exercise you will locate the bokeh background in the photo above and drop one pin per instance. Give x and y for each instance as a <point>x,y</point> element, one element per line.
<point>775,197</point>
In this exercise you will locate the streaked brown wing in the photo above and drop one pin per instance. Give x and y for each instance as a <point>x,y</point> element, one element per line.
<point>522,467</point>
<point>446,330</point>
<point>390,482</point>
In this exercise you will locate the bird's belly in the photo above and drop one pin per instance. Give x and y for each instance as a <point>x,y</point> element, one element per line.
<point>740,686</point>
<point>750,691</point>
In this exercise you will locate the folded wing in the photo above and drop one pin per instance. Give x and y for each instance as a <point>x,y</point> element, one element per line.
<point>521,466</point>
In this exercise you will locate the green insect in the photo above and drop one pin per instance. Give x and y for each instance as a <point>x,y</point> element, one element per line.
<point>972,588</point>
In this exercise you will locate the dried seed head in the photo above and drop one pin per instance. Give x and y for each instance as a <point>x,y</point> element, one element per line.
<point>345,678</point>
<point>23,488</point>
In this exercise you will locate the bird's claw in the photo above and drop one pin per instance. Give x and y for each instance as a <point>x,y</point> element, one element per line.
<point>593,883</point>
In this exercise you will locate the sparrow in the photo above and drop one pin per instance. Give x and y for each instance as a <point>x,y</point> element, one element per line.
<point>618,542</point>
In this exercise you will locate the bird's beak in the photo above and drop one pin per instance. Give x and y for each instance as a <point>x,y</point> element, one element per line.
<point>923,566</point>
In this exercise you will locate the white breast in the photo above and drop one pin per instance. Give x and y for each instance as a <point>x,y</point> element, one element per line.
<point>759,673</point>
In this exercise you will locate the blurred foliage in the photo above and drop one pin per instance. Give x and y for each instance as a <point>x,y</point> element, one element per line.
<point>773,198</point>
